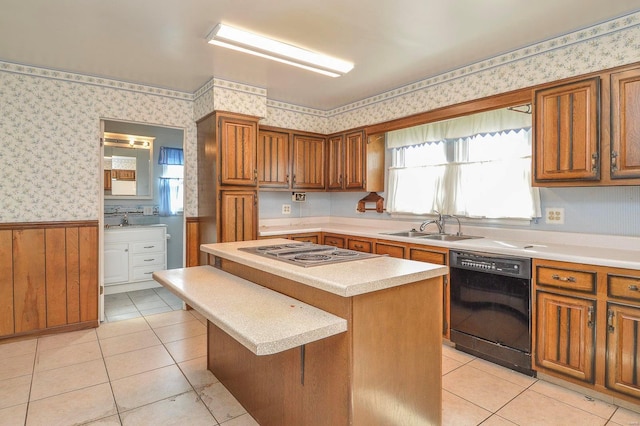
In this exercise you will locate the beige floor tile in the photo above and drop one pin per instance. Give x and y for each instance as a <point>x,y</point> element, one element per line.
<point>243,420</point>
<point>496,420</point>
<point>107,421</point>
<point>128,342</point>
<point>65,379</point>
<point>449,364</point>
<point>221,403</point>
<point>626,417</point>
<point>575,399</point>
<point>67,355</point>
<point>151,386</point>
<point>504,373</point>
<point>481,388</point>
<point>458,411</point>
<point>532,408</point>
<point>135,362</point>
<point>15,366</point>
<point>185,409</point>
<point>186,349</point>
<point>113,329</point>
<point>196,372</point>
<point>459,356</point>
<point>180,331</point>
<point>72,408</point>
<point>66,339</point>
<point>14,391</point>
<point>168,318</point>
<point>23,347</point>
<point>13,416</point>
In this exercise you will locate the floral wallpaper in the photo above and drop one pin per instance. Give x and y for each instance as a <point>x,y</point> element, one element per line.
<point>50,120</point>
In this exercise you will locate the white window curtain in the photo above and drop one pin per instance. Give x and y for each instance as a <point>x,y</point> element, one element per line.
<point>482,176</point>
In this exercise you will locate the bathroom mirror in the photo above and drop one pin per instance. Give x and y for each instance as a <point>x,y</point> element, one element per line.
<point>128,172</point>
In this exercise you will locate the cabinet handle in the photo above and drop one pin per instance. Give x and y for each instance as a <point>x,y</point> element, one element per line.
<point>340,180</point>
<point>610,327</point>
<point>294,179</point>
<point>614,161</point>
<point>563,279</point>
<point>590,317</point>
<point>594,162</point>
<point>149,246</point>
<point>633,287</point>
<point>287,180</point>
<point>149,260</point>
<point>255,175</point>
<point>148,273</point>
<point>358,246</point>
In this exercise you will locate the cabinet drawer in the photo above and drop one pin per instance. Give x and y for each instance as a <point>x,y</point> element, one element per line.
<point>309,238</point>
<point>393,250</point>
<point>332,240</point>
<point>361,245</point>
<point>148,259</point>
<point>428,256</point>
<point>569,279</point>
<point>147,247</point>
<point>624,287</point>
<point>143,273</point>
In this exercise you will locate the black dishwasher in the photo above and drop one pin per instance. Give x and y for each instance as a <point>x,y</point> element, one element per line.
<point>491,307</point>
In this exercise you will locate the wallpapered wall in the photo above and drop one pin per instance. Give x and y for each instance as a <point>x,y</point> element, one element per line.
<point>49,120</point>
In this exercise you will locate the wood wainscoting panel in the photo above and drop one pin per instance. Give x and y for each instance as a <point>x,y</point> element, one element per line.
<point>6,283</point>
<point>56,273</point>
<point>48,277</point>
<point>193,242</point>
<point>88,248</point>
<point>29,291</point>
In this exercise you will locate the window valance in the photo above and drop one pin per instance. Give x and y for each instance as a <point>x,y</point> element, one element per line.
<point>489,122</point>
<point>171,156</point>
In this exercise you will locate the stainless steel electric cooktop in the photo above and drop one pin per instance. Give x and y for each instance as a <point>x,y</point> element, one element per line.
<point>307,254</point>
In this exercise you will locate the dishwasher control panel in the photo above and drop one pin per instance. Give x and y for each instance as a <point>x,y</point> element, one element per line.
<point>491,263</point>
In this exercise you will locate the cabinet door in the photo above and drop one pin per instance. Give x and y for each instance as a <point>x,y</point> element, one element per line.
<point>116,263</point>
<point>238,216</point>
<point>273,160</point>
<point>625,126</point>
<point>565,335</point>
<point>308,162</point>
<point>354,160</point>
<point>238,158</point>
<point>567,137</point>
<point>623,353</point>
<point>335,163</point>
<point>439,258</point>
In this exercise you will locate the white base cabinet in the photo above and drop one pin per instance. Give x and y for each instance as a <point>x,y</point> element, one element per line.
<point>131,255</point>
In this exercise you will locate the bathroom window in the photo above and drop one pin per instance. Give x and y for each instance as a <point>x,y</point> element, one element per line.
<point>171,181</point>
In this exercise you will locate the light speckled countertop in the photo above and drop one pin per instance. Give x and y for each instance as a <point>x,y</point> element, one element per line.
<point>262,320</point>
<point>344,279</point>
<point>593,249</point>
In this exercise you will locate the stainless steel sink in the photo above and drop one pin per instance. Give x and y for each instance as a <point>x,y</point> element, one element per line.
<point>413,233</point>
<point>447,237</point>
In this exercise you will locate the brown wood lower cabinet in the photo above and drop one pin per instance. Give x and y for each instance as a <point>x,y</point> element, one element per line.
<point>390,248</point>
<point>334,240</point>
<point>587,323</point>
<point>48,277</point>
<point>565,335</point>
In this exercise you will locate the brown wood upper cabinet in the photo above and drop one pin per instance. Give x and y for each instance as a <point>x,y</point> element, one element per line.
<point>345,161</point>
<point>238,151</point>
<point>625,126</point>
<point>308,162</point>
<point>566,132</point>
<point>274,159</point>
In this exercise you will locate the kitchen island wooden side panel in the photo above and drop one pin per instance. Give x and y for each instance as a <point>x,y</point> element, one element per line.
<point>397,356</point>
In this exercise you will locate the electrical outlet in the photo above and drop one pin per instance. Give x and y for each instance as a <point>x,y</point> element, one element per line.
<point>286,209</point>
<point>554,215</point>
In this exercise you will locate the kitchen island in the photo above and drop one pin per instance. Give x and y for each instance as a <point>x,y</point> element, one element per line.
<point>384,367</point>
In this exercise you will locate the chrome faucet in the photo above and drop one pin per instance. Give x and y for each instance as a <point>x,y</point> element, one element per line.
<point>439,223</point>
<point>459,233</point>
<point>125,220</point>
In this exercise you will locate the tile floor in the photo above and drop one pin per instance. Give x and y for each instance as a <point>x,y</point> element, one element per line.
<point>121,306</point>
<point>151,370</point>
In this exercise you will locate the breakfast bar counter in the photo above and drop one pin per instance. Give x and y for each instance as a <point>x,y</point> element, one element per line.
<point>384,367</point>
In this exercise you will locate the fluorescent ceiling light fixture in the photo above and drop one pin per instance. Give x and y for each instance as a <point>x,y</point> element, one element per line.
<point>246,42</point>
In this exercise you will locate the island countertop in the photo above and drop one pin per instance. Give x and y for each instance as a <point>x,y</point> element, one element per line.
<point>345,279</point>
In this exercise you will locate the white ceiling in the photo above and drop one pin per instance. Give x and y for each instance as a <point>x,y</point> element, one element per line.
<point>392,43</point>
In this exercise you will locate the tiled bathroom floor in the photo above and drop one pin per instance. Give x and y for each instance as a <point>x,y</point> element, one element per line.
<point>151,370</point>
